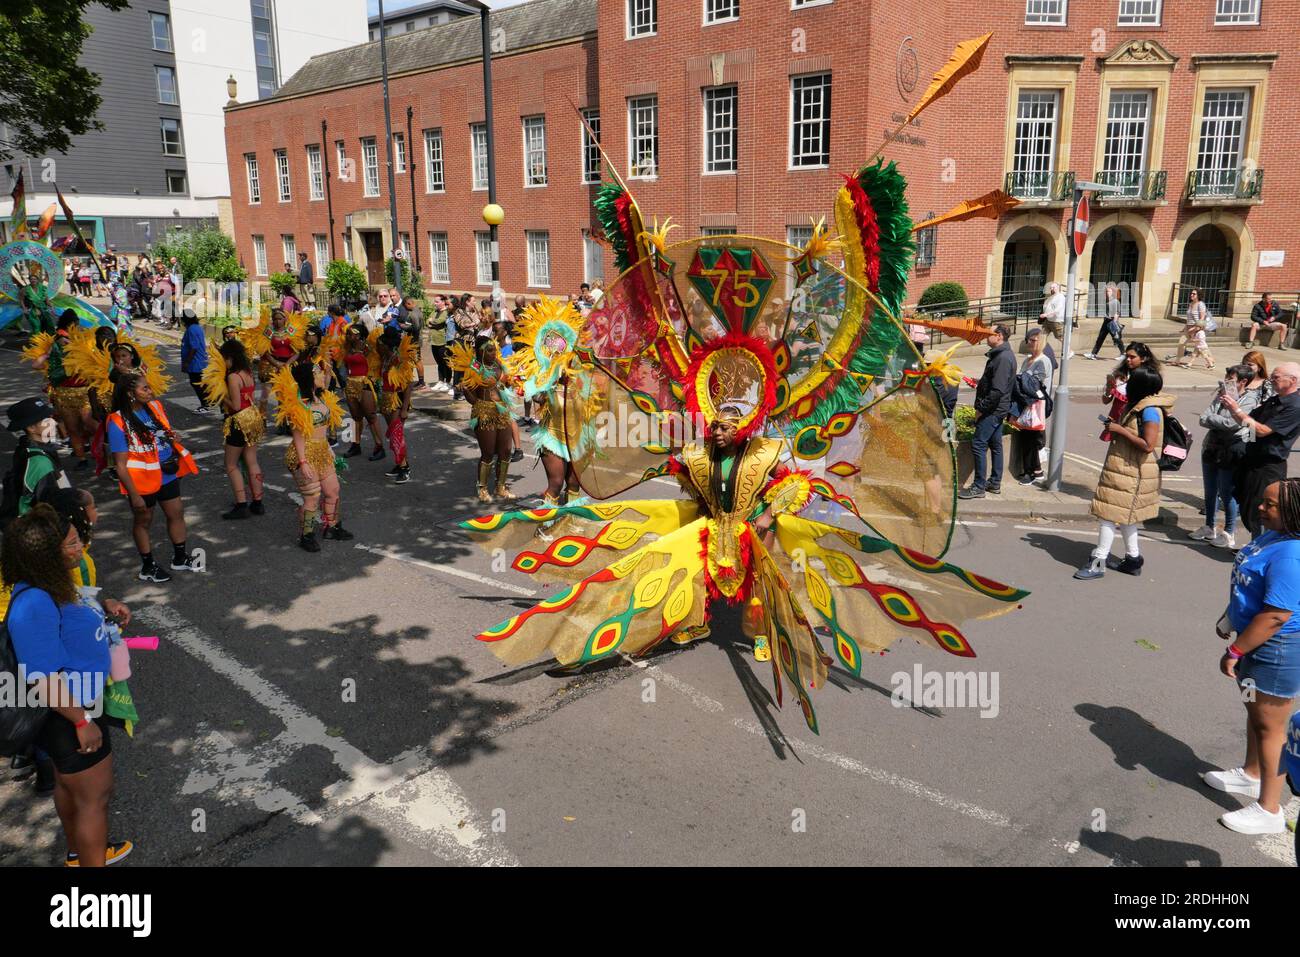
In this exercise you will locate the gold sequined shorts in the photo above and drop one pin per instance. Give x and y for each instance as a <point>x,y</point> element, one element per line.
<point>265,371</point>
<point>319,456</point>
<point>70,401</point>
<point>357,386</point>
<point>246,426</point>
<point>390,402</point>
<point>489,416</point>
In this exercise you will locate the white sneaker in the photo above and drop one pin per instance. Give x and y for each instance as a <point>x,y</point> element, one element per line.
<point>1235,781</point>
<point>1071,355</point>
<point>1253,819</point>
<point>1089,355</point>
<point>1224,539</point>
<point>1204,533</point>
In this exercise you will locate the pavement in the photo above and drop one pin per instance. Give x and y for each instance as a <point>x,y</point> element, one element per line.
<point>335,708</point>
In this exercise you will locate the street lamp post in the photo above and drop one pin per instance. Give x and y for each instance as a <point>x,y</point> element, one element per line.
<point>388,153</point>
<point>1061,397</point>
<point>493,215</point>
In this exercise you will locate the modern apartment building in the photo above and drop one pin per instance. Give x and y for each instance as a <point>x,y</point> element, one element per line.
<point>418,16</point>
<point>166,66</point>
<point>742,115</point>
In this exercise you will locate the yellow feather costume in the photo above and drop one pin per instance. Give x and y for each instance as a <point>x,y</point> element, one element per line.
<point>291,409</point>
<point>38,347</point>
<point>249,420</point>
<point>95,365</point>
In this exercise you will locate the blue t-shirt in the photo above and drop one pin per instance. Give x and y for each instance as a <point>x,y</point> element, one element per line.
<point>1267,572</point>
<point>118,441</point>
<point>48,639</point>
<point>1150,414</point>
<point>194,349</point>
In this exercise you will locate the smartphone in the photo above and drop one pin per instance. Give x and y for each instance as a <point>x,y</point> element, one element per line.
<point>1104,419</point>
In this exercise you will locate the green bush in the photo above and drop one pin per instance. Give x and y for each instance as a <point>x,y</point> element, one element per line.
<point>202,254</point>
<point>964,416</point>
<point>412,281</point>
<point>944,299</point>
<point>282,283</point>
<point>346,281</point>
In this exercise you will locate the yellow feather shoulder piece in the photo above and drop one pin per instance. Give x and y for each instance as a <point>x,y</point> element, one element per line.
<point>38,347</point>
<point>402,372</point>
<point>334,407</point>
<point>255,339</point>
<point>372,352</point>
<point>92,364</point>
<point>289,405</point>
<point>298,322</point>
<point>462,360</point>
<point>214,379</point>
<point>333,346</point>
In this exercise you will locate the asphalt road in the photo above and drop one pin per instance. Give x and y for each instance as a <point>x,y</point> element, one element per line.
<point>335,709</point>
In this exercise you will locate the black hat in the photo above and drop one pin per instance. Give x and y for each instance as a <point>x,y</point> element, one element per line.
<point>28,412</point>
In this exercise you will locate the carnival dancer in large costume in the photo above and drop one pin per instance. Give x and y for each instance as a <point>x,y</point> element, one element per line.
<point>69,393</point>
<point>549,344</point>
<point>310,410</point>
<point>817,498</point>
<point>361,362</point>
<point>274,343</point>
<point>485,382</point>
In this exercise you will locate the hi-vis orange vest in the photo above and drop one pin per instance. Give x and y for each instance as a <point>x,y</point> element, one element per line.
<point>142,458</point>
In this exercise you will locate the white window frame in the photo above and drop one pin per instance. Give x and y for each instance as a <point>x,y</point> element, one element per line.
<point>254,179</point>
<point>1219,139</point>
<point>539,258</point>
<point>369,166</point>
<point>534,139</point>
<point>1229,13</point>
<point>1128,136</point>
<point>185,180</point>
<point>483,258</point>
<point>153,35</point>
<point>805,82</point>
<point>712,98</point>
<point>399,153</point>
<point>259,255</point>
<point>315,173</point>
<point>434,179</point>
<point>284,188</point>
<point>1140,13</point>
<point>321,246</point>
<point>592,250</point>
<point>801,4</point>
<point>635,104</point>
<point>180,136</point>
<point>289,246</point>
<point>340,158</point>
<point>478,156</point>
<point>1030,130</point>
<point>1047,13</point>
<point>711,8</point>
<point>439,259</point>
<point>158,71</point>
<point>590,147</point>
<point>634,10</point>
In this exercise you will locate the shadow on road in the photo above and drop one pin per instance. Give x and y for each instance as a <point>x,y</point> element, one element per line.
<point>1147,851</point>
<point>1136,742</point>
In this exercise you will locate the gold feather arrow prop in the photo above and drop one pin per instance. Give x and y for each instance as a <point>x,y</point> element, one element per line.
<point>965,59</point>
<point>989,206</point>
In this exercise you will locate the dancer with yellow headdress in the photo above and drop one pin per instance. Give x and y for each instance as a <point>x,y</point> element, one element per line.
<point>310,410</point>
<point>228,383</point>
<point>486,382</point>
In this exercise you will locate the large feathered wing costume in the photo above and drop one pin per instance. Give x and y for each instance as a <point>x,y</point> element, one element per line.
<point>842,445</point>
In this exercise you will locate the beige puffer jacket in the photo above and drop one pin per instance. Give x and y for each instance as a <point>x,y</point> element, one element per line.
<point>1129,488</point>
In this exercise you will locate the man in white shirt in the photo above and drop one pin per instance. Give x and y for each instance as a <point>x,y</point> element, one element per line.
<point>1053,314</point>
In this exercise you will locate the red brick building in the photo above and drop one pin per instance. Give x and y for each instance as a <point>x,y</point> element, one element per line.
<point>740,116</point>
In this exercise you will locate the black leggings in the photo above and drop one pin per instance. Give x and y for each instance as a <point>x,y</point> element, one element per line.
<point>1109,328</point>
<point>196,383</point>
<point>440,358</point>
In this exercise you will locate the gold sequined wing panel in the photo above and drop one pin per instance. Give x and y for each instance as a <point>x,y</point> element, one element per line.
<point>628,607</point>
<point>566,542</point>
<point>869,592</point>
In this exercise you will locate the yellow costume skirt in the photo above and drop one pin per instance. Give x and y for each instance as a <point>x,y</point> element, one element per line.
<point>487,415</point>
<point>356,386</point>
<point>69,401</point>
<point>390,402</point>
<point>319,456</point>
<point>265,371</point>
<point>249,421</point>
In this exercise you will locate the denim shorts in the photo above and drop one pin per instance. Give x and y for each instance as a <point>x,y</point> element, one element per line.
<point>1274,667</point>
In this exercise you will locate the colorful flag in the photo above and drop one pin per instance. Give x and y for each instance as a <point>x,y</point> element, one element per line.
<point>18,218</point>
<point>76,230</point>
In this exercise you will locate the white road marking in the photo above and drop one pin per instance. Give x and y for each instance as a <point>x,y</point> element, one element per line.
<point>977,524</point>
<point>448,570</point>
<point>420,798</point>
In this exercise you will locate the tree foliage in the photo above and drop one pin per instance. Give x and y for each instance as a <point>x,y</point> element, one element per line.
<point>203,253</point>
<point>46,98</point>
<point>412,281</point>
<point>346,281</point>
<point>944,299</point>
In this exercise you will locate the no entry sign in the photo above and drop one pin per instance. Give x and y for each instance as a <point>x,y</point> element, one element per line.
<point>1080,232</point>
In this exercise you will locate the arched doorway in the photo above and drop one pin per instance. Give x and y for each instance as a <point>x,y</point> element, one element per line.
<point>1025,263</point>
<point>1207,266</point>
<point>1115,259</point>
